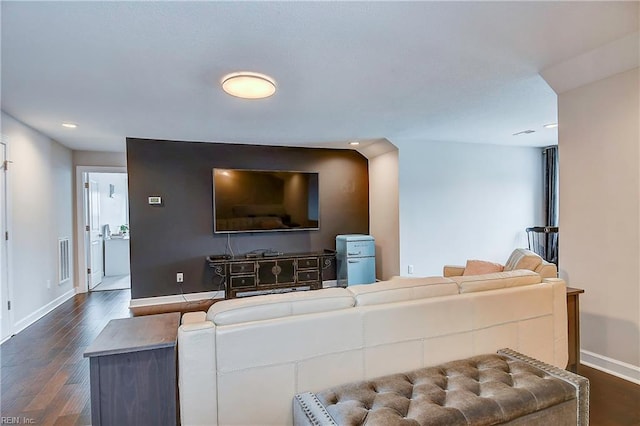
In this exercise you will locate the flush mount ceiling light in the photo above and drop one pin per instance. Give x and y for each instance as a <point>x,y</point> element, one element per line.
<point>69,125</point>
<point>550,126</point>
<point>248,85</point>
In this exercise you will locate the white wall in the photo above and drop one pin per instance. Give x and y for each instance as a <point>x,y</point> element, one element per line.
<point>99,158</point>
<point>599,138</point>
<point>384,214</point>
<point>465,201</point>
<point>41,191</point>
<point>114,210</point>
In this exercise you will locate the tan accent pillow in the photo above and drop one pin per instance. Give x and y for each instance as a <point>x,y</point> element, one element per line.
<point>480,267</point>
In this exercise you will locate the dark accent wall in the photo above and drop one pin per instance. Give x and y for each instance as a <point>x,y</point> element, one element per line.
<point>177,235</point>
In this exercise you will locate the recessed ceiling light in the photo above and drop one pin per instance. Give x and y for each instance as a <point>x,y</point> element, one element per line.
<point>524,132</point>
<point>354,143</point>
<point>550,126</point>
<point>69,125</point>
<point>248,85</point>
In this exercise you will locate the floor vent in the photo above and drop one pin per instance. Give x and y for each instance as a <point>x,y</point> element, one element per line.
<point>64,261</point>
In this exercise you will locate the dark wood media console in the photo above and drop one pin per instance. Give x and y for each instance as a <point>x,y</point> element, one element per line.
<point>251,274</point>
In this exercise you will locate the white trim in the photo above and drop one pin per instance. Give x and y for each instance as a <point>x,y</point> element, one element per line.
<point>9,244</point>
<point>176,298</point>
<point>611,366</point>
<point>329,283</point>
<point>81,255</point>
<point>35,316</point>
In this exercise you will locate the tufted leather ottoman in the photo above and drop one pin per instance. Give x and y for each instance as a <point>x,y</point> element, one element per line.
<point>504,388</point>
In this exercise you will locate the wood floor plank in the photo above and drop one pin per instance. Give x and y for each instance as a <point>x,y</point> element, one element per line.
<point>613,401</point>
<point>78,397</point>
<point>68,420</point>
<point>49,391</point>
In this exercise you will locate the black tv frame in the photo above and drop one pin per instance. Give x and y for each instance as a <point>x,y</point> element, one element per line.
<point>253,230</point>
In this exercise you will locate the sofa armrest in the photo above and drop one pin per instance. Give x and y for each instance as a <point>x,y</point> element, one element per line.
<point>452,270</point>
<point>194,317</point>
<point>547,270</point>
<point>197,378</point>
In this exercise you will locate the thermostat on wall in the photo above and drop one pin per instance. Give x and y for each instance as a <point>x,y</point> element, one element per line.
<point>155,200</point>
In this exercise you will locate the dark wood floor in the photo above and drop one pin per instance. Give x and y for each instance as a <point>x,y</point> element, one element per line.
<point>46,379</point>
<point>613,401</point>
<point>44,376</point>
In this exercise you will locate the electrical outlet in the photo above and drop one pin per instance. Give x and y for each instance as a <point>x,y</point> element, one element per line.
<point>410,269</point>
<point>179,277</point>
<point>48,283</point>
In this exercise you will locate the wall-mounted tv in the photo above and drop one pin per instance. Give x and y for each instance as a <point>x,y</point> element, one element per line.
<point>265,200</point>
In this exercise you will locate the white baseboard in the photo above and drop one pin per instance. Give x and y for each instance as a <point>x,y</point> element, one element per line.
<point>329,283</point>
<point>176,298</point>
<point>611,366</point>
<point>35,316</point>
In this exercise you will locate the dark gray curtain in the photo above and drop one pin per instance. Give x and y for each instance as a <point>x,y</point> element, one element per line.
<point>550,158</point>
<point>547,236</point>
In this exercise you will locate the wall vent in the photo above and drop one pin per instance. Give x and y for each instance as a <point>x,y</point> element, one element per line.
<point>64,260</point>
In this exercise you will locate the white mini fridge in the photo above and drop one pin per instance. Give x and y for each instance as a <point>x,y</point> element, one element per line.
<point>355,259</point>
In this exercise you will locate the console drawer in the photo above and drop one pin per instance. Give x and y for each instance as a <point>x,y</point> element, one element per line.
<point>243,281</point>
<point>242,268</point>
<point>307,276</point>
<point>308,262</point>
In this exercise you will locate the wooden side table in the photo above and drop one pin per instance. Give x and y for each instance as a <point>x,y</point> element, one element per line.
<point>133,371</point>
<point>573,322</point>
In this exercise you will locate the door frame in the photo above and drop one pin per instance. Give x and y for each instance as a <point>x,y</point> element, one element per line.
<point>94,203</point>
<point>8,244</point>
<point>82,174</point>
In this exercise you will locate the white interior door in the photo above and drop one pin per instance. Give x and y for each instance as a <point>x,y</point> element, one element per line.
<point>5,319</point>
<point>95,236</point>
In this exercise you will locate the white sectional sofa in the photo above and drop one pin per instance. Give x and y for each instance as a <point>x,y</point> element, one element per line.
<point>242,362</point>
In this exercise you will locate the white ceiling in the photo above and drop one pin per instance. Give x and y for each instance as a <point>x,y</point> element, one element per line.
<point>445,71</point>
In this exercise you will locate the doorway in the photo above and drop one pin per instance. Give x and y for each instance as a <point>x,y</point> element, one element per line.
<point>106,225</point>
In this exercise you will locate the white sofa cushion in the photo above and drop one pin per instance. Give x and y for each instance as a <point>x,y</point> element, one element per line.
<point>400,289</point>
<point>517,278</point>
<point>272,306</point>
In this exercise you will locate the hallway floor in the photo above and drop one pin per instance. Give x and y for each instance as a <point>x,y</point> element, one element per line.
<point>114,282</point>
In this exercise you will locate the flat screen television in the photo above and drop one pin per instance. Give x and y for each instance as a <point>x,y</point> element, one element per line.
<point>265,200</point>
